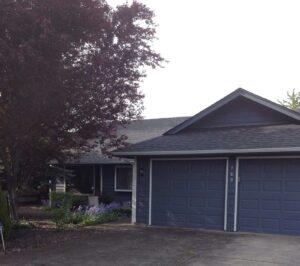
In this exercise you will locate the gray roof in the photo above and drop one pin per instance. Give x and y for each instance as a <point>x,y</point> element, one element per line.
<point>237,93</point>
<point>221,140</point>
<point>136,131</point>
<point>224,140</point>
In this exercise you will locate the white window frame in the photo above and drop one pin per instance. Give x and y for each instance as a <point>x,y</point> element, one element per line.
<point>122,190</point>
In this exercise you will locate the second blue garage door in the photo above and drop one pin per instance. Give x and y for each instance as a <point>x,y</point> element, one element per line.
<point>188,193</point>
<point>269,195</point>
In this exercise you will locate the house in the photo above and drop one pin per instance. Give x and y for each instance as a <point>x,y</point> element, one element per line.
<point>235,166</point>
<point>111,177</point>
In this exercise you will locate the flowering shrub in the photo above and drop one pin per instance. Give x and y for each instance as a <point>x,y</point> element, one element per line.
<point>90,215</point>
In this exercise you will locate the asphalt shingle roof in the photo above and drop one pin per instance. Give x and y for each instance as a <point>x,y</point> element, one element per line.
<point>231,138</point>
<point>136,131</point>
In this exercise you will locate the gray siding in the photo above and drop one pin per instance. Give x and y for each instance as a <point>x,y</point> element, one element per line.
<point>108,185</point>
<point>142,208</point>
<point>241,112</point>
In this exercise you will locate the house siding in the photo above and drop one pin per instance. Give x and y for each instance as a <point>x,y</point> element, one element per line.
<point>143,177</point>
<point>241,112</point>
<point>108,185</point>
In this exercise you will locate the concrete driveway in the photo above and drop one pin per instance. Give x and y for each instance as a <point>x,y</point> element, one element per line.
<point>138,245</point>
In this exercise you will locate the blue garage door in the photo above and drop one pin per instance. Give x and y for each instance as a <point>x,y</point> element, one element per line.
<point>188,193</point>
<point>269,196</point>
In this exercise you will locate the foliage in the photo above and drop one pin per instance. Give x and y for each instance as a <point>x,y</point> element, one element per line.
<point>62,216</point>
<point>4,215</point>
<point>79,200</point>
<point>89,215</point>
<point>69,72</point>
<point>61,199</point>
<point>120,212</point>
<point>292,101</point>
<point>67,200</point>
<point>22,223</point>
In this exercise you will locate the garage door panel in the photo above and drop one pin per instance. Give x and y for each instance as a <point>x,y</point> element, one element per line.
<point>196,194</point>
<point>171,219</point>
<point>213,221</point>
<point>272,186</point>
<point>270,214</point>
<point>247,204</point>
<point>252,185</point>
<point>215,185</point>
<point>269,195</point>
<point>271,204</point>
<point>196,186</point>
<point>292,205</point>
<point>292,186</point>
<point>291,196</point>
<point>215,203</point>
<point>196,202</point>
<point>292,225</point>
<point>270,225</point>
<point>290,215</point>
<point>249,222</point>
<point>196,219</point>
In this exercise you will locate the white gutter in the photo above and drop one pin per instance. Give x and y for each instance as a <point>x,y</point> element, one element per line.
<point>222,151</point>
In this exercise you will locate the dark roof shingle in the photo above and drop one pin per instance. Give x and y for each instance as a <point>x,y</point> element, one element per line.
<point>217,139</point>
<point>136,131</point>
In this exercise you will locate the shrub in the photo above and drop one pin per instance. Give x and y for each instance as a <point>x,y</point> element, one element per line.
<point>67,200</point>
<point>121,212</point>
<point>4,215</point>
<point>79,200</point>
<point>62,216</point>
<point>61,200</point>
<point>89,215</point>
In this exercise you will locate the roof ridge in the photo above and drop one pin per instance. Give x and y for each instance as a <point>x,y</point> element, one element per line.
<point>233,95</point>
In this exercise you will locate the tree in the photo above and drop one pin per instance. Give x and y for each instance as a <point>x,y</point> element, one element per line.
<point>292,101</point>
<point>69,71</point>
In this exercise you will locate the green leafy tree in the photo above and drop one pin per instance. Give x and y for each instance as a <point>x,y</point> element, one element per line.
<point>69,71</point>
<point>292,101</point>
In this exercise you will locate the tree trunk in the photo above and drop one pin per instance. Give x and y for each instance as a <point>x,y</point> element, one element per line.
<point>12,198</point>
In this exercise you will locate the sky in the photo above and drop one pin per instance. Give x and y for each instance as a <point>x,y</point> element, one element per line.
<point>216,46</point>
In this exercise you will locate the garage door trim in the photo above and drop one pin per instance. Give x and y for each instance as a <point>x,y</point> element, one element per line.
<point>237,178</point>
<point>189,159</point>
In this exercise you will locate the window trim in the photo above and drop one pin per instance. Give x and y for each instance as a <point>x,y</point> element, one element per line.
<point>122,190</point>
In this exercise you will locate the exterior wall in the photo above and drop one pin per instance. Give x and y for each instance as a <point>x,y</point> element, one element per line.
<point>87,180</point>
<point>108,185</point>
<point>143,177</point>
<point>241,112</point>
<point>142,202</point>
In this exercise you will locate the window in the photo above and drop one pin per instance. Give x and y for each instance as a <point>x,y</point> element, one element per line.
<point>123,178</point>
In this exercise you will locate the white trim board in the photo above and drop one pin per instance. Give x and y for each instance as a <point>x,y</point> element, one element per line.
<point>237,178</point>
<point>190,159</point>
<point>134,192</point>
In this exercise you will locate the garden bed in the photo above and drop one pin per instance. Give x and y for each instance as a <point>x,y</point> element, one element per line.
<point>37,229</point>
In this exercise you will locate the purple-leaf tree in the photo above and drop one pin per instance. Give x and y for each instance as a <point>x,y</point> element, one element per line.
<point>69,71</point>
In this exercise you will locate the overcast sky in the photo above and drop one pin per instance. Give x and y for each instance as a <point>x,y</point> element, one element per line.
<point>215,47</point>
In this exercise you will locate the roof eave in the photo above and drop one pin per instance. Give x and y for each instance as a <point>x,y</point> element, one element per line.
<point>208,152</point>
